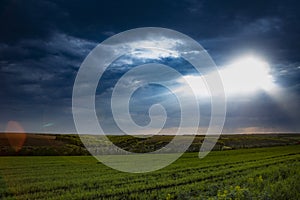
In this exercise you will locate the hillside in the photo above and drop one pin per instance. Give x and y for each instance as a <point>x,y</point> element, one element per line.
<point>70,144</point>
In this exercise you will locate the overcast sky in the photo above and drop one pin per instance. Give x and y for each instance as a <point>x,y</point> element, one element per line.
<point>43,43</point>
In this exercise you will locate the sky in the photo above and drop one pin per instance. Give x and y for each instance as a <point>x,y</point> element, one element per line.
<point>254,44</point>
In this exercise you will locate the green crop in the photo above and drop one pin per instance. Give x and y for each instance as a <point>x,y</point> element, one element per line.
<point>258,173</point>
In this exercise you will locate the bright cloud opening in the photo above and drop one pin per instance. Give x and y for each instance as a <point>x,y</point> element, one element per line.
<point>247,75</point>
<point>244,76</point>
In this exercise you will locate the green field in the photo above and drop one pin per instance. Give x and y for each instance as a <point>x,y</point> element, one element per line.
<point>257,173</point>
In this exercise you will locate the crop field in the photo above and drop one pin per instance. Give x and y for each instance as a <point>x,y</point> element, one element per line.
<point>256,173</point>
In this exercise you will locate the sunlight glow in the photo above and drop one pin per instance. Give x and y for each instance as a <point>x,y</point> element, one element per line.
<point>244,76</point>
<point>198,85</point>
<point>247,75</point>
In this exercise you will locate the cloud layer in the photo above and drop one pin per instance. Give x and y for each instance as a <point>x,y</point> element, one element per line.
<point>43,43</point>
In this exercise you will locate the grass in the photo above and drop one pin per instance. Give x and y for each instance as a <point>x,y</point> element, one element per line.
<point>257,173</point>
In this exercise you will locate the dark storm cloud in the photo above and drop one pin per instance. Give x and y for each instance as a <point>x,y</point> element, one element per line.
<point>47,64</point>
<point>42,44</point>
<point>29,19</point>
<point>38,76</point>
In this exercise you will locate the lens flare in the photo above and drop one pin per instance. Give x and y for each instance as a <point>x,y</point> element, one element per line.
<point>15,135</point>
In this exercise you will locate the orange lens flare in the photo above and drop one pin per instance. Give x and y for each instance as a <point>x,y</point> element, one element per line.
<point>15,134</point>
